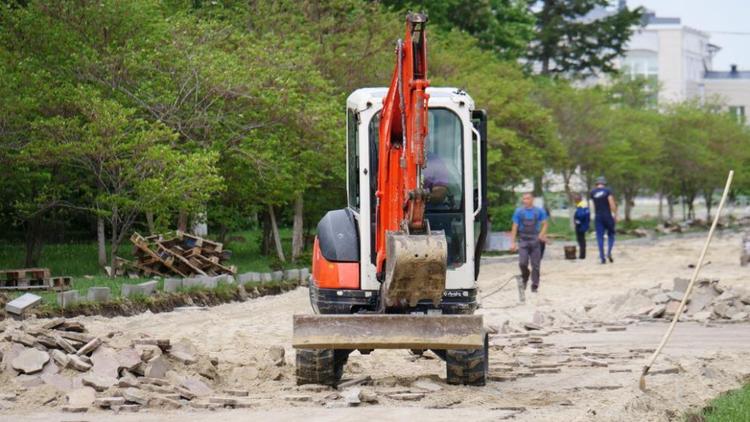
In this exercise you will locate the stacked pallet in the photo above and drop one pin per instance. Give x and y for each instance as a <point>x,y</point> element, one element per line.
<point>179,254</point>
<point>32,279</point>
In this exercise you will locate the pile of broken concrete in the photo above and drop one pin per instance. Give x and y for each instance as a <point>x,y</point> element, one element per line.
<point>61,355</point>
<point>709,300</point>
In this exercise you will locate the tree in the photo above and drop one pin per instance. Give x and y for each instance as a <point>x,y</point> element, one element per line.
<point>504,27</point>
<point>570,41</point>
<point>129,160</point>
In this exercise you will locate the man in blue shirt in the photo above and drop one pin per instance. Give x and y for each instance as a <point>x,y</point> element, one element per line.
<point>530,224</point>
<point>605,219</point>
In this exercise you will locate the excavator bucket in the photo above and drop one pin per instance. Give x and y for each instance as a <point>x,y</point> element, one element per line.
<point>415,268</point>
<point>388,331</point>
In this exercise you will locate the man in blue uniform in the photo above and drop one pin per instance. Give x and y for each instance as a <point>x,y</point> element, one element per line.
<point>530,224</point>
<point>582,220</point>
<point>605,219</point>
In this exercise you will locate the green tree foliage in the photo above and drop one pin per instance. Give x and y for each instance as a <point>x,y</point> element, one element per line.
<point>504,27</point>
<point>570,41</point>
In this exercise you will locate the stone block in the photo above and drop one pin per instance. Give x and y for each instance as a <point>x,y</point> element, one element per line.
<point>148,288</point>
<point>130,290</point>
<point>277,275</point>
<point>225,278</point>
<point>304,275</point>
<point>249,278</point>
<point>191,282</point>
<point>21,303</point>
<point>98,294</point>
<point>209,282</point>
<point>266,278</point>
<point>291,275</point>
<point>171,285</point>
<point>69,298</point>
<point>30,361</point>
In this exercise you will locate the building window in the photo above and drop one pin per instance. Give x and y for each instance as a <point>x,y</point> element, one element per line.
<point>641,63</point>
<point>738,112</point>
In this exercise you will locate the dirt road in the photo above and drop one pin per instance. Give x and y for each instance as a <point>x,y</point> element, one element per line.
<point>572,374</point>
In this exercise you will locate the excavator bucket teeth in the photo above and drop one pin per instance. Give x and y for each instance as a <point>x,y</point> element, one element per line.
<point>415,268</point>
<point>388,331</point>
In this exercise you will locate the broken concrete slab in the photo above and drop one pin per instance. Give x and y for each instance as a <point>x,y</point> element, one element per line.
<point>352,396</point>
<point>98,294</point>
<point>184,351</point>
<point>672,307</point>
<point>135,395</point>
<point>77,363</point>
<point>67,299</point>
<point>171,285</point>
<point>739,316</point>
<point>81,397</point>
<point>276,354</point>
<point>60,358</point>
<point>680,284</point>
<point>128,358</point>
<point>105,362</point>
<point>98,382</point>
<point>156,367</point>
<point>661,298</point>
<point>20,304</point>
<point>702,316</point>
<point>427,385</point>
<point>724,310</point>
<point>677,296</point>
<point>30,361</point>
<point>89,347</point>
<point>196,387</point>
<point>658,311</point>
<point>108,402</point>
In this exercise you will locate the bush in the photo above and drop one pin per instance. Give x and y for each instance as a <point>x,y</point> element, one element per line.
<point>501,217</point>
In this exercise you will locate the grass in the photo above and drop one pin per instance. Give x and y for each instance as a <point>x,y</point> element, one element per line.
<point>729,407</point>
<point>79,260</point>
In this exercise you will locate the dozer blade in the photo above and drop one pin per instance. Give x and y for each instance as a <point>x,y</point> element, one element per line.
<point>388,331</point>
<point>415,268</point>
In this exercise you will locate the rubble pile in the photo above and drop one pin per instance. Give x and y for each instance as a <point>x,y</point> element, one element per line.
<point>175,254</point>
<point>708,301</point>
<point>61,356</point>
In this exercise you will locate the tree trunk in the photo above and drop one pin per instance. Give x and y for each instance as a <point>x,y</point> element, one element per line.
<point>708,195</point>
<point>572,205</point>
<point>223,231</point>
<point>670,207</point>
<point>298,235</point>
<point>34,242</point>
<point>628,207</point>
<point>113,221</point>
<point>276,236</point>
<point>182,221</point>
<point>101,241</point>
<point>266,243</point>
<point>150,222</point>
<point>660,212</point>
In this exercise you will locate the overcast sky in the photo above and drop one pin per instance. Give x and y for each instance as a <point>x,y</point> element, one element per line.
<point>714,17</point>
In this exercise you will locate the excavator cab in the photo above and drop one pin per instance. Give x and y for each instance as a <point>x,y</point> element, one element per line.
<point>397,267</point>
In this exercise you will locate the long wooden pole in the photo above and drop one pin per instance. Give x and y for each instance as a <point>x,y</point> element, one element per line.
<point>698,266</point>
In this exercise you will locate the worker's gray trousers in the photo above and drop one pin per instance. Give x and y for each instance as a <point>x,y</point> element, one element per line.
<point>530,250</point>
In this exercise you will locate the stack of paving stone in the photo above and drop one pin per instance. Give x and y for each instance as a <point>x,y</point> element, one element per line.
<point>177,254</point>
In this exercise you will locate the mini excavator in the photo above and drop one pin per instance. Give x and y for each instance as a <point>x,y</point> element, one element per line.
<point>397,268</point>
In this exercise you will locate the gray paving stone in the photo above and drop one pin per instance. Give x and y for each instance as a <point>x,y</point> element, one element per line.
<point>291,275</point>
<point>251,277</point>
<point>98,294</point>
<point>148,288</point>
<point>171,285</point>
<point>21,303</point>
<point>277,275</point>
<point>130,290</point>
<point>65,299</point>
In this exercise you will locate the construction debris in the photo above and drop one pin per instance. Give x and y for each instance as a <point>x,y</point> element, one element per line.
<point>708,301</point>
<point>175,254</point>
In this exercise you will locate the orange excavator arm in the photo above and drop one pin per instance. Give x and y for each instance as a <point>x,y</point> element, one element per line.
<point>403,130</point>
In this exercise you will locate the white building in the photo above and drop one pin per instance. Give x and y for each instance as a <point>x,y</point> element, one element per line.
<point>731,88</point>
<point>672,54</point>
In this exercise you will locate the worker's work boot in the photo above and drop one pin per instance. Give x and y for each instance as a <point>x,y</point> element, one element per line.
<point>521,289</point>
